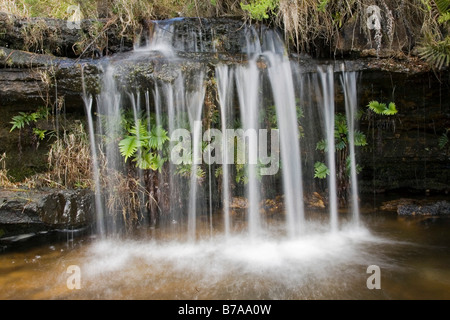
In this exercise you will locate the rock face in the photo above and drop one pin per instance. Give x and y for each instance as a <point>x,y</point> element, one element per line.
<point>27,77</point>
<point>53,36</point>
<point>413,207</point>
<point>403,151</point>
<point>33,211</point>
<point>434,209</point>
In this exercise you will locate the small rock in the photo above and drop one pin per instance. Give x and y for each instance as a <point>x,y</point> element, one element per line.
<point>239,203</point>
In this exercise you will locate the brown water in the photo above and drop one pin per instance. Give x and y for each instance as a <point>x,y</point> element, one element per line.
<point>413,255</point>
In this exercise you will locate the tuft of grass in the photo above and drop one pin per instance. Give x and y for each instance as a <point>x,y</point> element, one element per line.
<point>5,182</point>
<point>127,198</point>
<point>69,160</point>
<point>47,8</point>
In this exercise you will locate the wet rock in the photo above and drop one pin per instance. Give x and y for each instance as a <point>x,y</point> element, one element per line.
<point>413,207</point>
<point>205,35</point>
<point>24,76</point>
<point>394,204</point>
<point>33,211</point>
<point>66,208</point>
<point>239,203</point>
<point>273,206</point>
<point>315,200</point>
<point>433,209</point>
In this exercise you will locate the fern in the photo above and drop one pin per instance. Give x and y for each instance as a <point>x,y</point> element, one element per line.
<point>436,53</point>
<point>376,107</point>
<point>128,146</point>
<point>30,119</point>
<point>443,5</point>
<point>322,145</point>
<point>341,144</point>
<point>321,171</point>
<point>444,18</point>
<point>40,134</point>
<point>241,174</point>
<point>145,161</point>
<point>443,140</point>
<point>390,110</point>
<point>158,163</point>
<point>348,163</point>
<point>218,172</point>
<point>20,121</point>
<point>139,130</point>
<point>382,109</point>
<point>186,171</point>
<point>158,136</point>
<point>359,139</point>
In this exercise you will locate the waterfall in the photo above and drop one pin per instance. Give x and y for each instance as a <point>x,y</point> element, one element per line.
<point>327,82</point>
<point>224,85</point>
<point>349,85</point>
<point>99,210</point>
<point>280,75</point>
<point>247,82</point>
<point>265,113</point>
<point>195,106</point>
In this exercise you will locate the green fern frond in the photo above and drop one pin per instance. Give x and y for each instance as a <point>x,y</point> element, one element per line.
<point>381,108</point>
<point>436,53</point>
<point>158,136</point>
<point>18,122</point>
<point>322,145</point>
<point>341,144</point>
<point>139,130</point>
<point>443,140</point>
<point>377,107</point>
<point>444,18</point>
<point>348,163</point>
<point>39,133</point>
<point>129,146</point>
<point>218,172</point>
<point>321,171</point>
<point>390,110</point>
<point>158,163</point>
<point>145,161</point>
<point>442,5</point>
<point>359,139</point>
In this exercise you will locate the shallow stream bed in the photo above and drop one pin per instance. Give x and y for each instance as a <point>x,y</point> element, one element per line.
<point>413,256</point>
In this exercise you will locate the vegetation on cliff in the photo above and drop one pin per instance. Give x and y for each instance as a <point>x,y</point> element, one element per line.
<point>310,26</point>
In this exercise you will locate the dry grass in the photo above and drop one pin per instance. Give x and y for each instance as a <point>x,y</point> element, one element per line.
<point>306,23</point>
<point>126,197</point>
<point>69,160</point>
<point>5,182</point>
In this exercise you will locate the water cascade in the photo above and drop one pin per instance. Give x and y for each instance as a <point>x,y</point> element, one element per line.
<point>349,84</point>
<point>281,81</point>
<point>224,77</point>
<point>251,133</point>
<point>327,82</point>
